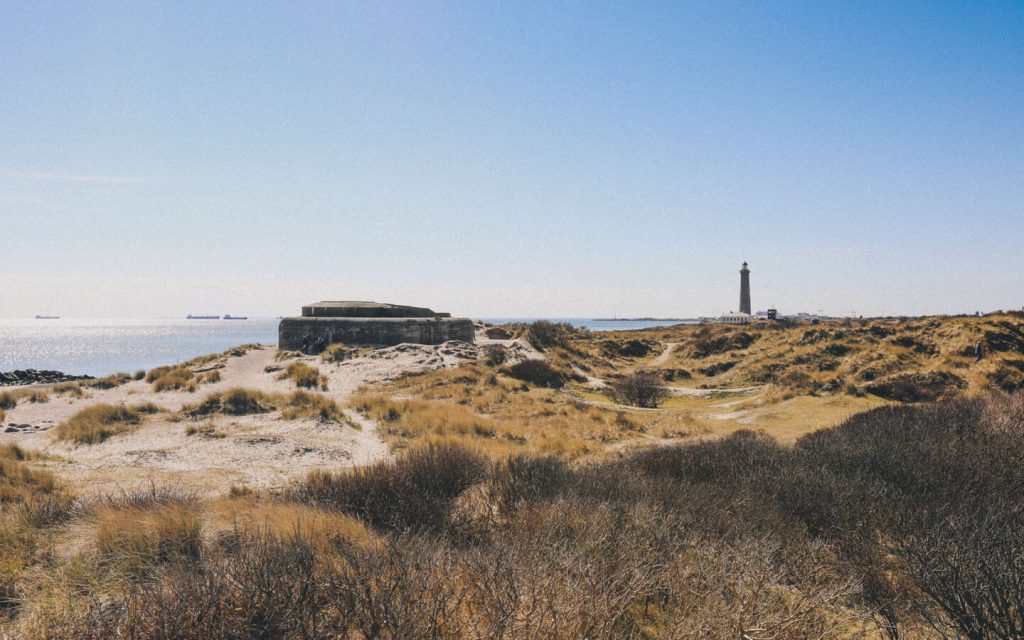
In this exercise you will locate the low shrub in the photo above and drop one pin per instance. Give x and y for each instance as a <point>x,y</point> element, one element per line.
<point>713,344</point>
<point>494,354</point>
<point>528,479</point>
<point>717,368</point>
<point>1008,380</point>
<point>627,348</point>
<point>918,387</point>
<point>727,462</point>
<point>671,375</point>
<point>1006,336</point>
<point>641,389</point>
<point>543,334</point>
<point>415,492</point>
<point>538,372</point>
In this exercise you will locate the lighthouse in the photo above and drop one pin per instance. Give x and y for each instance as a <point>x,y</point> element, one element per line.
<point>745,289</point>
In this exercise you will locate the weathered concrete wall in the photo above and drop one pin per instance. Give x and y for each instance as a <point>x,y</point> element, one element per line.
<point>311,334</point>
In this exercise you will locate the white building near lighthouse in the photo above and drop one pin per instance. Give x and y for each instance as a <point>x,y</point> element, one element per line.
<point>735,317</point>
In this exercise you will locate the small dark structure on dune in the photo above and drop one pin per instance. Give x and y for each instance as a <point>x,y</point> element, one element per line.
<point>369,323</point>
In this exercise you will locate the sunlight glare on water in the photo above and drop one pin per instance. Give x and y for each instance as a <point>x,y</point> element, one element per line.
<point>102,347</point>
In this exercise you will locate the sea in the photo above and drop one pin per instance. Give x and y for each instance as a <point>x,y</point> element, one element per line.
<point>100,347</point>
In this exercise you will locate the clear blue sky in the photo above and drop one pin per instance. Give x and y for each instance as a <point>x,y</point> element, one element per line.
<point>498,159</point>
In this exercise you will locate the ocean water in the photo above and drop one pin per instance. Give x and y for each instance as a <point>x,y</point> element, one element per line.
<point>102,347</point>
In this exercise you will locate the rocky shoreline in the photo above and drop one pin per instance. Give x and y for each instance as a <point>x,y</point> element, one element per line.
<point>34,376</point>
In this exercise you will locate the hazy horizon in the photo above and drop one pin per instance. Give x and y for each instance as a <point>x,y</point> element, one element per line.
<point>493,160</point>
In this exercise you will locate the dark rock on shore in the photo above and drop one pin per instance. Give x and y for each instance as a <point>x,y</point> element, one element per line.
<point>25,428</point>
<point>34,376</point>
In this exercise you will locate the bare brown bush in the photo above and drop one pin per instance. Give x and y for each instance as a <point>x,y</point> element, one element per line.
<point>495,354</point>
<point>641,389</point>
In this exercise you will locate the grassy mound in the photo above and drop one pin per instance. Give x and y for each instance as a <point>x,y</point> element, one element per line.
<point>304,376</point>
<point>233,402</point>
<point>173,378</point>
<point>242,402</point>
<point>302,404</point>
<point>100,421</point>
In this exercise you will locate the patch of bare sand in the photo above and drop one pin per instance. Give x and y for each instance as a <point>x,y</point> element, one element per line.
<point>664,355</point>
<point>262,450</point>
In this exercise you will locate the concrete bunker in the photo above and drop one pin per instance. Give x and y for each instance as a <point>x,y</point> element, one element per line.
<point>368,323</point>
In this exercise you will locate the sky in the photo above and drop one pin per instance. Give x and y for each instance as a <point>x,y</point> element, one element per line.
<point>500,159</point>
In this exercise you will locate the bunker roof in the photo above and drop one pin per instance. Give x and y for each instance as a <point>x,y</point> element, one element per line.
<point>365,309</point>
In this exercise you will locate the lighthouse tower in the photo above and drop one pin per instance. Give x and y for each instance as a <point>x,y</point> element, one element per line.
<point>745,289</point>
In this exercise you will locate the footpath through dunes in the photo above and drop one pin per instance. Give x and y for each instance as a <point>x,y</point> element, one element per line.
<point>190,425</point>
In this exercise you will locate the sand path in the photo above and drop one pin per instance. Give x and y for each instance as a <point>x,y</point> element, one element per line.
<point>664,355</point>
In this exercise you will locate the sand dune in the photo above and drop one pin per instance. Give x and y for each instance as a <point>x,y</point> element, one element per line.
<point>262,450</point>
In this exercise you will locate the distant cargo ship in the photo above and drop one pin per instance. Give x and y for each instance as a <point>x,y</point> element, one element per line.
<point>231,317</point>
<point>47,317</point>
<point>192,317</point>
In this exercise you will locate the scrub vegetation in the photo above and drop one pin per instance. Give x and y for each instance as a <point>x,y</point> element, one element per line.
<point>905,521</point>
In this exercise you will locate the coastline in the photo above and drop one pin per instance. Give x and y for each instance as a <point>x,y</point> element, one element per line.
<point>102,347</point>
